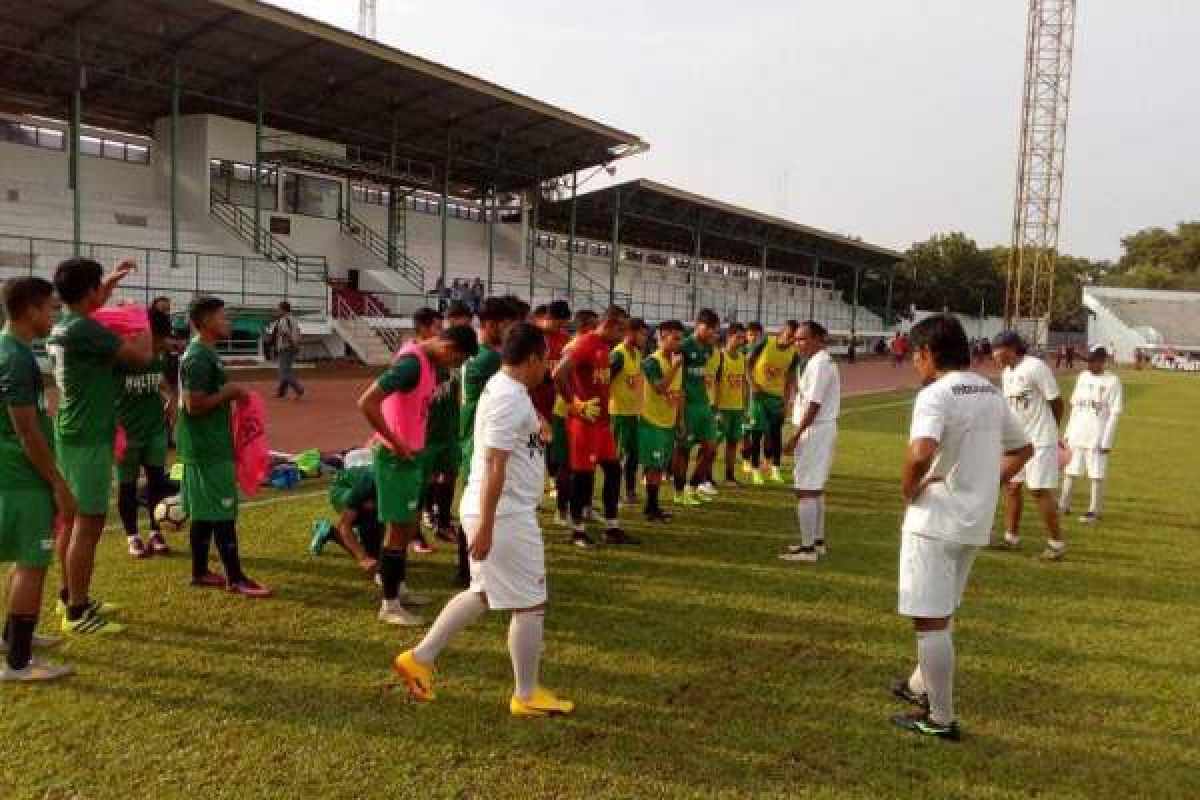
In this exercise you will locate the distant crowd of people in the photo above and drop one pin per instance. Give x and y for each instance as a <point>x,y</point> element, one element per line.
<point>469,294</point>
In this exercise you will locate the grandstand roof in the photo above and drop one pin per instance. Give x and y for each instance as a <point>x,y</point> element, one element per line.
<point>316,80</point>
<point>657,216</point>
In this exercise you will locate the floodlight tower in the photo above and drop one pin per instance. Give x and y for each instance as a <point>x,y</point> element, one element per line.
<point>366,18</point>
<point>1029,283</point>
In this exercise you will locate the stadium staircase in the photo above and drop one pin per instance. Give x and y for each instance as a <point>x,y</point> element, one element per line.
<point>354,318</point>
<point>241,225</point>
<point>394,258</point>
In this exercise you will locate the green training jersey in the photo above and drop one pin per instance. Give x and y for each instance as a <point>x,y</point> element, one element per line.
<point>351,488</point>
<point>21,385</point>
<point>140,403</point>
<point>695,363</point>
<point>475,374</point>
<point>83,354</point>
<point>203,438</point>
<point>402,376</point>
<point>443,411</point>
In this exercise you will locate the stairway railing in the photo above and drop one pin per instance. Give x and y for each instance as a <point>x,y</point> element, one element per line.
<point>241,224</point>
<point>392,338</point>
<point>377,245</point>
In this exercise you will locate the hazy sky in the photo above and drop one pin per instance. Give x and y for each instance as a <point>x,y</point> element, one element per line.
<point>888,119</point>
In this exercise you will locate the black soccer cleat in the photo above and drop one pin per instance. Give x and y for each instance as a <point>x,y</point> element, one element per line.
<point>922,723</point>
<point>618,536</point>
<point>902,691</point>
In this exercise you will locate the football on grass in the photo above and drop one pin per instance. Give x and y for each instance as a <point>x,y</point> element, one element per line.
<point>169,515</point>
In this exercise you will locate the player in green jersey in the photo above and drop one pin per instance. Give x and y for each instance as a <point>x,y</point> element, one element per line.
<point>32,490</point>
<point>496,316</point>
<point>699,422</point>
<point>754,334</point>
<point>358,529</point>
<point>141,411</point>
<point>209,492</point>
<point>84,354</point>
<point>427,324</point>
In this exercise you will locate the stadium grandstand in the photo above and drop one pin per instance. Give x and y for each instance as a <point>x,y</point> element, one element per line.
<point>1161,325</point>
<point>234,148</point>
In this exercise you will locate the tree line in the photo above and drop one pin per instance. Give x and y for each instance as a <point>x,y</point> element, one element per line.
<point>951,270</point>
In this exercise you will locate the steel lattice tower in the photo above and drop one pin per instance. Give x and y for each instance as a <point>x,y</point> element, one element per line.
<point>366,18</point>
<point>1029,284</point>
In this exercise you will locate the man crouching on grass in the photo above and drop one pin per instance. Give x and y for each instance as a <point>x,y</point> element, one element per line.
<point>499,512</point>
<point>964,442</point>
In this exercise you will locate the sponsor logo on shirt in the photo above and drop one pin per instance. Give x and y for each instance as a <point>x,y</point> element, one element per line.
<point>973,388</point>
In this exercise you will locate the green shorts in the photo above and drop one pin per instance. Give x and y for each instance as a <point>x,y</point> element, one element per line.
<point>87,469</point>
<point>27,527</point>
<point>767,411</point>
<point>655,445</point>
<point>442,458</point>
<point>699,426</point>
<point>557,453</point>
<point>398,484</point>
<point>731,422</point>
<point>625,431</point>
<point>209,491</point>
<point>149,454</point>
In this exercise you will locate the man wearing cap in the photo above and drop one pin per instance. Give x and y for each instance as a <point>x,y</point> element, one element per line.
<point>1096,404</point>
<point>1032,393</point>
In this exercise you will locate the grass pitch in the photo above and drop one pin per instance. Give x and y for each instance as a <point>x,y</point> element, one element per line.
<point>703,667</point>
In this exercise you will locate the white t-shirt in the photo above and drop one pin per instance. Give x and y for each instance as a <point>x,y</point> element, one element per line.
<point>506,420</point>
<point>1029,387</point>
<point>1096,404</point>
<point>819,383</point>
<point>965,413</point>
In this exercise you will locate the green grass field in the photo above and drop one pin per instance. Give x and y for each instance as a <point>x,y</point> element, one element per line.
<point>702,666</point>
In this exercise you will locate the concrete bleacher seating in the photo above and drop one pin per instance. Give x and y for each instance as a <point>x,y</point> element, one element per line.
<point>36,231</point>
<point>1128,320</point>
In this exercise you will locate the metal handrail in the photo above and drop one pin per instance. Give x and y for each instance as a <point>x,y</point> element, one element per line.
<point>242,226</point>
<point>377,245</point>
<point>391,337</point>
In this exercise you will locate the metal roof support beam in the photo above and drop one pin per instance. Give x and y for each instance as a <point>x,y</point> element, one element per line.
<point>258,137</point>
<point>393,206</point>
<point>174,162</point>
<point>614,250</point>
<point>73,166</point>
<point>888,316</point>
<point>695,295</point>
<point>812,288</point>
<point>854,309</point>
<point>762,281</point>
<point>445,210</point>
<point>571,238</point>
<point>533,233</point>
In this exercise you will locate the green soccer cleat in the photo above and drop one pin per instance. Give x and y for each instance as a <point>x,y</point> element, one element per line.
<point>924,725</point>
<point>756,477</point>
<point>322,532</point>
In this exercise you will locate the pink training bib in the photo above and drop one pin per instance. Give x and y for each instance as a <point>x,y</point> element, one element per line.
<point>124,321</point>
<point>407,413</point>
<point>252,457</point>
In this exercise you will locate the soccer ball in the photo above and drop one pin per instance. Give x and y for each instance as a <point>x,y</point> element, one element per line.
<point>169,514</point>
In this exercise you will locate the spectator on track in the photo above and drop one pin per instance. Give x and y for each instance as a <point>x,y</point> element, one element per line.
<point>285,334</point>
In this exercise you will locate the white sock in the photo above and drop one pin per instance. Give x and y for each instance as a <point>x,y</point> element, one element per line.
<point>935,657</point>
<point>463,609</point>
<point>808,516</point>
<point>916,682</point>
<point>1097,493</point>
<point>611,524</point>
<point>525,632</point>
<point>1064,502</point>
<point>820,533</point>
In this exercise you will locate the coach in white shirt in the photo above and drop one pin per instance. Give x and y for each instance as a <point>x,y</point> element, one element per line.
<point>499,513</point>
<point>963,443</point>
<point>1096,405</point>
<point>1032,394</point>
<point>814,415</point>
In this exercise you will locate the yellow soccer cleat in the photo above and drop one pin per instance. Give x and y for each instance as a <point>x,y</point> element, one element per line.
<point>417,677</point>
<point>747,467</point>
<point>776,476</point>
<point>544,703</point>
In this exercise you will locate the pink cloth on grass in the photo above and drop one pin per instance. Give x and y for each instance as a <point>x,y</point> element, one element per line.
<point>124,321</point>
<point>251,455</point>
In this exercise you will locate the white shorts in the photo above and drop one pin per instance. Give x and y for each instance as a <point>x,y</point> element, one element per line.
<point>933,575</point>
<point>1087,461</point>
<point>513,576</point>
<point>1041,471</point>
<point>814,457</point>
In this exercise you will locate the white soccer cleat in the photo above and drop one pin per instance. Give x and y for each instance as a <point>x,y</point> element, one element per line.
<point>707,489</point>
<point>801,555</point>
<point>35,672</point>
<point>393,613</point>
